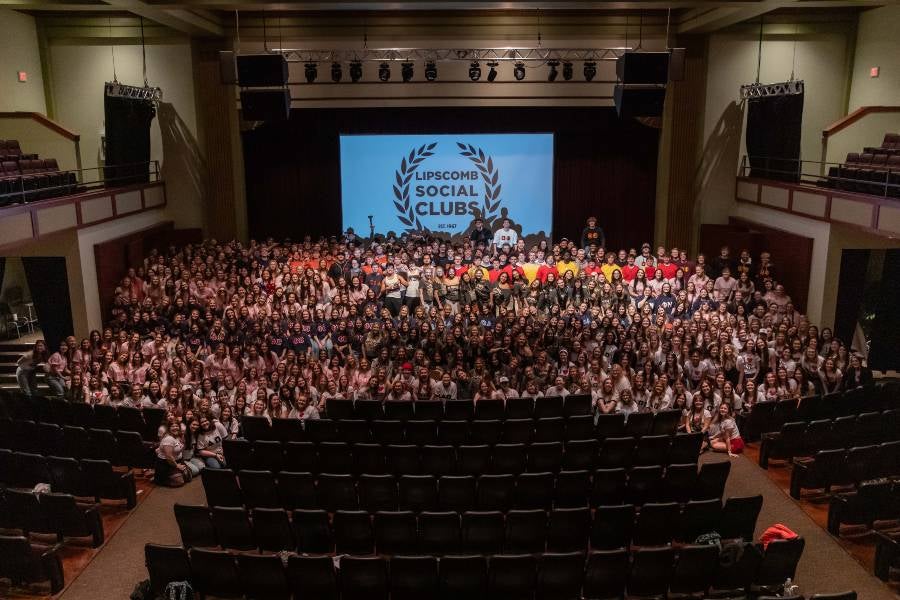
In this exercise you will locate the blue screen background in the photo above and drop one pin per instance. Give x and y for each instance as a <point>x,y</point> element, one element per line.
<point>523,164</point>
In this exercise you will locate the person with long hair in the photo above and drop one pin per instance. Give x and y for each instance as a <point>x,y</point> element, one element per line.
<point>170,469</point>
<point>723,432</point>
<point>28,365</point>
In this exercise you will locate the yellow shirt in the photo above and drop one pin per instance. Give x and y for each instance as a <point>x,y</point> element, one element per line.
<point>608,270</point>
<point>530,270</point>
<point>563,266</point>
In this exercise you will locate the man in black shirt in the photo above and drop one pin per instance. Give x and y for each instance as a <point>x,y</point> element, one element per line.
<point>480,235</point>
<point>592,235</point>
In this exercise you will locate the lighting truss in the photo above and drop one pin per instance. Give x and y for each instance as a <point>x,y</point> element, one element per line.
<point>468,55</point>
<point>120,90</point>
<point>765,90</point>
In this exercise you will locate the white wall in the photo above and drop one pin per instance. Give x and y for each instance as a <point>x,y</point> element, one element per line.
<point>19,52</point>
<point>877,45</point>
<point>821,61</point>
<point>78,72</point>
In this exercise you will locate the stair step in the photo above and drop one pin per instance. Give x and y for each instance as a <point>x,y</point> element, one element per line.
<point>7,368</point>
<point>14,348</point>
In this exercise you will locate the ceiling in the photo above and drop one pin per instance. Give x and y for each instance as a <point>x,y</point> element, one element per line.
<point>214,18</point>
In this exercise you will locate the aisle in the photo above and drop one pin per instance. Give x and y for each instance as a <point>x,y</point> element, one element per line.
<point>120,563</point>
<point>825,565</point>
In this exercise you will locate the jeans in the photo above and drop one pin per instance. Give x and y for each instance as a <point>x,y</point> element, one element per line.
<point>57,385</point>
<point>213,463</point>
<point>195,465</point>
<point>27,380</point>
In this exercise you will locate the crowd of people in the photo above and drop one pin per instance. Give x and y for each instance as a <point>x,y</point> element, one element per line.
<point>216,331</point>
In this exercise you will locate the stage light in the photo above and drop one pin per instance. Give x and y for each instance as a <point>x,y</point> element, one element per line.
<point>355,71</point>
<point>519,71</point>
<point>553,73</point>
<point>406,71</point>
<point>475,71</point>
<point>567,71</point>
<point>336,72</point>
<point>492,73</point>
<point>384,71</point>
<point>311,70</point>
<point>430,70</point>
<point>590,70</point>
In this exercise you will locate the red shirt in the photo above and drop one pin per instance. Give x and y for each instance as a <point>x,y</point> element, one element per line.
<point>545,270</point>
<point>508,269</point>
<point>668,270</point>
<point>649,272</point>
<point>629,272</point>
<point>591,270</point>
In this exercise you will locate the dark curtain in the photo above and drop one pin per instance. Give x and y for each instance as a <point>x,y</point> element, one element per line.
<point>49,285</point>
<point>883,353</point>
<point>604,166</point>
<point>851,287</point>
<point>127,140</point>
<point>773,136</point>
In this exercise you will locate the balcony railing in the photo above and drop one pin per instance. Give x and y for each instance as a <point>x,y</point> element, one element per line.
<point>862,178</point>
<point>23,187</point>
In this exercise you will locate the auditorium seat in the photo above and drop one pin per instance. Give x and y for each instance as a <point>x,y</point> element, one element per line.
<point>25,562</point>
<point>166,564</point>
<point>414,577</point>
<point>363,578</point>
<point>560,575</point>
<point>214,573</point>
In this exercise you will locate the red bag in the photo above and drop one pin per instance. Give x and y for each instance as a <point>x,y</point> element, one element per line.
<point>777,531</point>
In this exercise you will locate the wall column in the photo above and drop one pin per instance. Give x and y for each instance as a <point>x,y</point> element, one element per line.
<point>220,137</point>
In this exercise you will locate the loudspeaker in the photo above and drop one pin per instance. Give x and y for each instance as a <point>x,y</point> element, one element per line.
<point>227,67</point>
<point>265,105</point>
<point>676,64</point>
<point>639,100</point>
<point>643,67</point>
<point>261,70</point>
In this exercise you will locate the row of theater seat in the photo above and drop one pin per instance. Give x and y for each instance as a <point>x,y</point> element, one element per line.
<point>122,448</point>
<point>465,532</point>
<point>33,179</point>
<point>694,570</point>
<point>874,500</point>
<point>890,144</point>
<point>874,171</point>
<point>771,415</point>
<point>465,459</point>
<point>459,431</point>
<point>87,478</point>
<point>42,409</point>
<point>841,467</point>
<point>50,513</point>
<point>640,485</point>
<point>801,438</point>
<point>12,150</point>
<point>513,408</point>
<point>887,555</point>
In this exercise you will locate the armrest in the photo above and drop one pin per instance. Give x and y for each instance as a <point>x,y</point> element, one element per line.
<point>95,525</point>
<point>52,565</point>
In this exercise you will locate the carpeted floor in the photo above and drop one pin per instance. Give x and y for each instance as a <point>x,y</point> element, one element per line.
<point>825,566</point>
<point>119,565</point>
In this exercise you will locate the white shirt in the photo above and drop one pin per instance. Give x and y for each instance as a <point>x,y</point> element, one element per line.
<point>505,236</point>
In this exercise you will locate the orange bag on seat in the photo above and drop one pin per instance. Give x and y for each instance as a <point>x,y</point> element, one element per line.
<point>778,531</point>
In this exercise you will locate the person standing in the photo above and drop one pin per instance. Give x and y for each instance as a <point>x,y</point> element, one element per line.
<point>480,236</point>
<point>505,236</point>
<point>592,235</point>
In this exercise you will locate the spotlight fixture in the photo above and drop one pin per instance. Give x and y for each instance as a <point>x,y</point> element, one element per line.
<point>475,71</point>
<point>355,71</point>
<point>590,70</point>
<point>553,73</point>
<point>336,72</point>
<point>430,70</point>
<point>384,71</point>
<point>406,71</point>
<point>492,73</point>
<point>311,70</point>
<point>567,71</point>
<point>519,71</point>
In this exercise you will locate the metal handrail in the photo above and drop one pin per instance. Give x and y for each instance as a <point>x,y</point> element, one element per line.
<point>819,173</point>
<point>78,181</point>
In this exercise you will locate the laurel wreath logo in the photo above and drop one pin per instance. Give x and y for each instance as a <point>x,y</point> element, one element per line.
<point>403,176</point>
<point>491,177</point>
